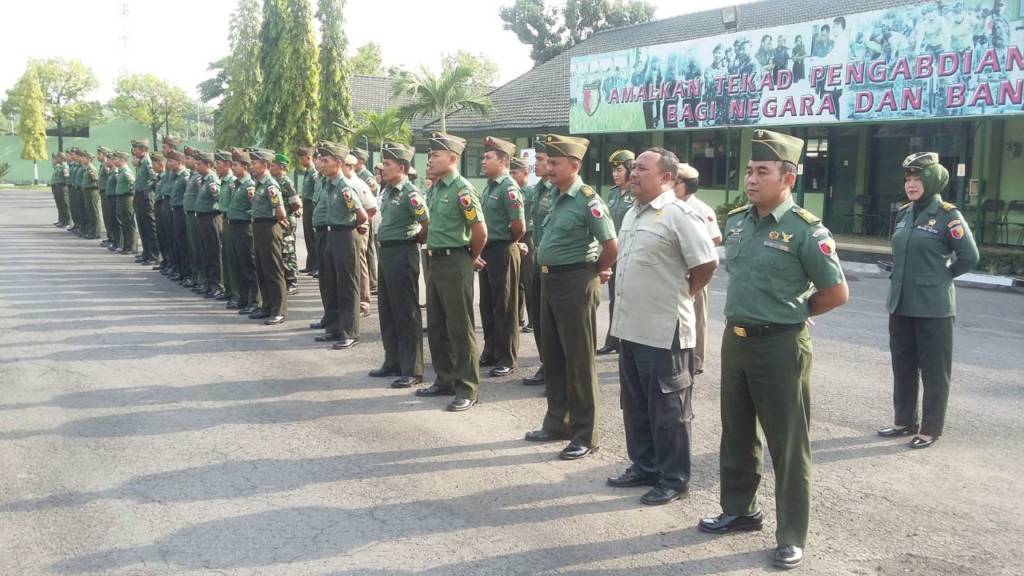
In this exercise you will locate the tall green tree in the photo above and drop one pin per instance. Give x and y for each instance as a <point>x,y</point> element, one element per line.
<point>151,102</point>
<point>235,119</point>
<point>66,85</point>
<point>367,61</point>
<point>484,70</point>
<point>387,126</point>
<point>217,86</point>
<point>551,30</point>
<point>335,94</point>
<point>303,78</point>
<point>436,96</point>
<point>32,125</point>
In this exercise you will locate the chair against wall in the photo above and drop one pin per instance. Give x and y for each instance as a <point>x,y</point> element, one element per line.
<point>862,218</point>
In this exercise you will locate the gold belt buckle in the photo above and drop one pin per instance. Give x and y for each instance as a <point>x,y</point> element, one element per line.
<point>544,270</point>
<point>739,331</point>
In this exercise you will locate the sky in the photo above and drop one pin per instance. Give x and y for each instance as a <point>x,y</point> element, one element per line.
<point>178,43</point>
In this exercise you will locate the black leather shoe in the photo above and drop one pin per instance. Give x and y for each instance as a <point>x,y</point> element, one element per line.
<point>317,325</point>
<point>543,435</point>
<point>139,259</point>
<point>528,329</point>
<point>274,320</point>
<point>316,274</point>
<point>892,431</point>
<point>536,380</point>
<point>725,523</point>
<point>231,305</point>
<point>293,289</point>
<point>406,382</point>
<point>435,390</point>
<point>485,362</point>
<point>345,344</point>
<point>333,337</point>
<point>259,315</point>
<point>223,297</point>
<point>663,494</point>
<point>460,405</point>
<point>918,442</point>
<point>787,557</point>
<point>174,276</point>
<point>384,372</point>
<point>575,452</point>
<point>158,267</point>
<point>217,295</point>
<point>188,283</point>
<point>499,371</point>
<point>633,477</point>
<point>607,349</point>
<point>247,310</point>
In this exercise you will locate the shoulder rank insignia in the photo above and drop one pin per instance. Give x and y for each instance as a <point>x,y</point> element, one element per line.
<point>806,215</point>
<point>905,206</point>
<point>948,206</point>
<point>587,191</point>
<point>740,209</point>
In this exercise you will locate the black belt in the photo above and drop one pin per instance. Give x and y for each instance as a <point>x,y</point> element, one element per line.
<point>434,252</point>
<point>173,207</point>
<point>265,220</point>
<point>190,212</point>
<point>332,228</point>
<point>320,228</point>
<point>397,242</point>
<point>755,330</point>
<point>565,267</point>
<point>237,221</point>
<point>214,213</point>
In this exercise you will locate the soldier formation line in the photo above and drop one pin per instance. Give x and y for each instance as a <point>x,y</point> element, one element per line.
<point>224,224</point>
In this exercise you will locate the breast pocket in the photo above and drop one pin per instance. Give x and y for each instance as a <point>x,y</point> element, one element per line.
<point>648,245</point>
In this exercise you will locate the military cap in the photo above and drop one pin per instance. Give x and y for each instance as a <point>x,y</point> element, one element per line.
<point>190,152</point>
<point>222,155</point>
<point>263,154</point>
<point>540,143</point>
<point>204,156</point>
<point>773,146</point>
<point>498,145</point>
<point>397,151</point>
<point>241,156</point>
<point>566,146</point>
<point>447,142</point>
<point>174,155</point>
<point>361,154</point>
<point>86,153</point>
<point>140,143</point>
<point>102,150</point>
<point>380,166</point>
<point>121,155</point>
<point>328,148</point>
<point>621,156</point>
<point>517,163</point>
<point>156,157</point>
<point>304,151</point>
<point>412,171</point>
<point>282,159</point>
<point>919,161</point>
<point>350,160</point>
<point>687,172</point>
<point>173,142</point>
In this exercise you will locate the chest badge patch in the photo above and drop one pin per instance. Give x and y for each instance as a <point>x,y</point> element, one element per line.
<point>773,235</point>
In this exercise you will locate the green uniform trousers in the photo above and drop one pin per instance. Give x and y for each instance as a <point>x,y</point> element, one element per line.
<point>126,222</point>
<point>145,214</point>
<point>766,380</point>
<point>179,221</point>
<point>526,271</point>
<point>309,236</point>
<point>450,322</point>
<point>211,229</point>
<point>398,302</point>
<point>60,198</point>
<point>499,303</point>
<point>568,317</point>
<point>75,207</point>
<point>243,261</point>
<point>321,258</point>
<point>164,231</point>
<point>109,206</point>
<point>226,254</point>
<point>93,214</point>
<point>922,353</point>
<point>268,237</point>
<point>339,276</point>
<point>195,247</point>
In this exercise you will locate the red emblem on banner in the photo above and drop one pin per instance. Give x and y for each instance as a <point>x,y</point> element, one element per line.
<point>591,98</point>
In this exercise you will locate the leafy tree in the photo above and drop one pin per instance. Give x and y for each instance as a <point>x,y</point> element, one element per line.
<point>550,30</point>
<point>236,119</point>
<point>302,77</point>
<point>151,102</point>
<point>387,126</point>
<point>216,87</point>
<point>65,85</point>
<point>438,95</point>
<point>485,70</point>
<point>32,125</point>
<point>367,61</point>
<point>335,95</point>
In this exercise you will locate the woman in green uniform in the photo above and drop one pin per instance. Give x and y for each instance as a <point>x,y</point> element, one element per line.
<point>620,200</point>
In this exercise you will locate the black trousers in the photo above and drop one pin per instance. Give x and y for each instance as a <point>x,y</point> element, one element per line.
<point>145,214</point>
<point>499,303</point>
<point>211,228</point>
<point>922,353</point>
<point>268,236</point>
<point>243,259</point>
<point>656,388</point>
<point>126,221</point>
<point>398,301</point>
<point>533,309</point>
<point>181,253</point>
<point>164,227</point>
<point>340,282</point>
<point>108,204</point>
<point>321,255</point>
<point>309,235</point>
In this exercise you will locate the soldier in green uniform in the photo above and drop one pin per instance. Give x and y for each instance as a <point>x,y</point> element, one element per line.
<point>110,195</point>
<point>179,224</point>
<point>620,200</point>
<point>74,197</point>
<point>210,224</point>
<point>539,202</point>
<point>123,197</point>
<point>499,280</point>
<point>783,269</point>
<point>269,225</point>
<point>144,203</point>
<point>576,255</point>
<point>931,246</point>
<point>404,224</point>
<point>165,212</point>
<point>106,202</point>
<point>195,246</point>
<point>293,205</point>
<point>59,185</point>
<point>519,172</point>
<point>239,214</point>
<point>319,220</point>
<point>362,157</point>
<point>455,239</point>
<point>305,180</point>
<point>91,197</point>
<point>158,165</point>
<point>222,168</point>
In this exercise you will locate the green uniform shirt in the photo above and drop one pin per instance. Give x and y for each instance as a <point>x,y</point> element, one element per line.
<point>158,185</point>
<point>319,206</point>
<point>104,176</point>
<point>340,202</point>
<point>73,177</point>
<point>90,177</point>
<point>619,203</point>
<point>306,179</point>
<point>144,175</point>
<point>165,186</point>
<point>529,201</point>
<point>178,187</point>
<point>227,191</point>
<point>923,263</point>
<point>191,192</point>
<point>241,199</point>
<point>59,171</point>
<point>266,197</point>
<point>540,208</point>
<point>401,211</point>
<point>367,176</point>
<point>208,197</point>
<point>112,183</point>
<point>775,263</point>
<point>502,204</point>
<point>125,181</point>
<point>575,226</point>
<point>454,206</point>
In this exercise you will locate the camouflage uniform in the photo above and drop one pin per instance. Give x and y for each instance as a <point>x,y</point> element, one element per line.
<point>293,202</point>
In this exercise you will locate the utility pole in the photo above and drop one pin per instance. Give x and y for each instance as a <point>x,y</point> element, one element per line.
<point>125,38</point>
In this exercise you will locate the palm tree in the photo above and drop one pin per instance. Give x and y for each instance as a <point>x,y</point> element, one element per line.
<point>387,126</point>
<point>436,96</point>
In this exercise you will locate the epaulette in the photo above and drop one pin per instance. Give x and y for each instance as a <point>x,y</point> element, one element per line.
<point>806,215</point>
<point>587,191</point>
<point>948,206</point>
<point>905,206</point>
<point>740,209</point>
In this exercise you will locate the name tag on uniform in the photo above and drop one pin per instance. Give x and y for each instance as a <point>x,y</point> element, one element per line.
<point>776,245</point>
<point>927,229</point>
<point>900,225</point>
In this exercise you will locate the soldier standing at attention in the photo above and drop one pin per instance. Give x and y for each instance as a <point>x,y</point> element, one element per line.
<point>576,255</point>
<point>195,247</point>
<point>499,280</point>
<point>58,185</point>
<point>159,166</point>
<point>922,300</point>
<point>143,198</point>
<point>620,200</point>
<point>370,238</point>
<point>783,269</point>
<point>74,198</point>
<point>320,228</point>
<point>125,179</point>
<point>179,224</point>
<point>369,202</point>
<point>106,203</point>
<point>404,224</point>
<point>456,238</point>
<point>91,196</point>
<point>519,172</point>
<point>293,205</point>
<point>210,224</point>
<point>222,167</point>
<point>539,203</point>
<point>113,225</point>
<point>239,214</point>
<point>269,224</point>
<point>305,179</point>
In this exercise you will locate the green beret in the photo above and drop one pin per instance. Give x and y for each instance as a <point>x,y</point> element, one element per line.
<point>328,148</point>
<point>620,156</point>
<point>540,143</point>
<point>447,142</point>
<point>173,142</point>
<point>919,161</point>
<point>397,151</point>
<point>174,155</point>
<point>361,154</point>
<point>517,163</point>
<point>281,159</point>
<point>140,144</point>
<point>241,156</point>
<point>203,156</point>
<point>263,154</point>
<point>222,155</point>
<point>687,172</point>
<point>156,157</point>
<point>498,145</point>
<point>566,146</point>
<point>772,146</point>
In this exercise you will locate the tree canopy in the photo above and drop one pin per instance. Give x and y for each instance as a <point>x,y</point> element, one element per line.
<point>335,95</point>
<point>32,124</point>
<point>66,85</point>
<point>367,61</point>
<point>436,95</point>
<point>387,126</point>
<point>151,102</point>
<point>235,118</point>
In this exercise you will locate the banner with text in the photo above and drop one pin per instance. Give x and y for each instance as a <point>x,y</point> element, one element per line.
<point>912,62</point>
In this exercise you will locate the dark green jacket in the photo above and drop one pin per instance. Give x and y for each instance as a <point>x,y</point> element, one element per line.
<point>208,197</point>
<point>240,208</point>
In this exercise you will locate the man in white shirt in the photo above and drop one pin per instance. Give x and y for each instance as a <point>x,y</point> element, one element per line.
<point>666,257</point>
<point>350,174</point>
